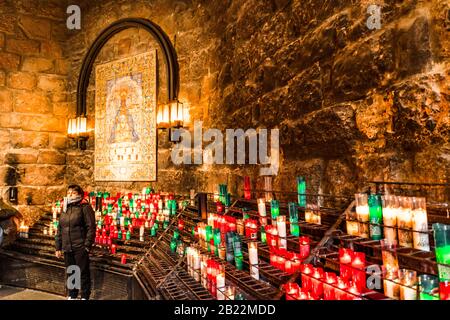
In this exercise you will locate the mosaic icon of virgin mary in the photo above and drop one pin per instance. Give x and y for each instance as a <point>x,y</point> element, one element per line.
<point>123,99</point>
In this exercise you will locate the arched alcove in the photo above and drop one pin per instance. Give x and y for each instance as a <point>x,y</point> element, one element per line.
<point>168,52</point>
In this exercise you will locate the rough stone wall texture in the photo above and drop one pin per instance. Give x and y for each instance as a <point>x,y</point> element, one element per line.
<point>352,104</point>
<point>33,103</point>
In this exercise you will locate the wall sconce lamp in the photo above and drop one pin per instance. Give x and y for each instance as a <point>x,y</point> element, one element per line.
<point>170,116</point>
<point>77,130</point>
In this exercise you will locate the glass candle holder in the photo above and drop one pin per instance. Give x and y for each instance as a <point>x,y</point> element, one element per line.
<point>317,283</point>
<point>362,214</point>
<point>420,224</point>
<point>328,287</point>
<point>306,271</point>
<point>408,284</point>
<point>345,259</point>
<point>304,244</point>
<point>358,270</point>
<point>340,293</point>
<point>404,221</point>
<point>274,209</point>
<point>389,256</point>
<point>301,191</point>
<point>262,207</point>
<point>441,234</point>
<point>281,228</point>
<point>375,216</point>
<point>390,209</point>
<point>253,259</point>
<point>293,219</point>
<point>391,285</point>
<point>292,291</point>
<point>230,292</point>
<point>351,223</point>
<point>295,262</point>
<point>428,287</point>
<point>444,290</point>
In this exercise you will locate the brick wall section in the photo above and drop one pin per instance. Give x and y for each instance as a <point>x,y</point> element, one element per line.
<point>33,103</point>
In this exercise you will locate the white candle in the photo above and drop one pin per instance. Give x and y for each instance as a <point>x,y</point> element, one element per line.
<point>220,280</point>
<point>281,226</point>
<point>197,262</point>
<point>262,207</point>
<point>420,223</point>
<point>391,289</point>
<point>253,259</point>
<point>122,221</point>
<point>362,213</point>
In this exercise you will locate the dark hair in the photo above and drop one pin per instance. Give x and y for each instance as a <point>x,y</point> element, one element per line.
<point>77,188</point>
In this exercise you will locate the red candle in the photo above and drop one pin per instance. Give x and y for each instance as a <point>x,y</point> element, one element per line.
<point>444,290</point>
<point>304,246</point>
<point>180,225</point>
<point>316,283</point>
<point>288,267</point>
<point>340,292</point>
<point>345,259</point>
<point>113,249</point>
<point>303,294</point>
<point>306,270</point>
<point>328,287</point>
<point>104,232</point>
<point>123,260</point>
<point>281,262</point>
<point>273,259</point>
<point>116,233</point>
<point>108,241</point>
<point>354,292</point>
<point>358,270</point>
<point>292,291</point>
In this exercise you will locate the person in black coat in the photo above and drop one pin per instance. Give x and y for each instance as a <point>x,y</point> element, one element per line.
<point>75,237</point>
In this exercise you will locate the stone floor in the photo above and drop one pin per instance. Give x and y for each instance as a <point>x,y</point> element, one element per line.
<point>12,293</point>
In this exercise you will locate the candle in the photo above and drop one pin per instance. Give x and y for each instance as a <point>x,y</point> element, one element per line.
<point>253,259</point>
<point>292,291</point>
<point>301,191</point>
<point>240,226</point>
<point>345,258</point>
<point>362,213</point>
<point>359,274</point>
<point>328,289</point>
<point>261,207</point>
<point>274,209</point>
<point>390,209</point>
<point>404,221</point>
<point>354,292</point>
<point>295,262</point>
<point>429,287</point>
<point>304,243</point>
<point>316,283</point>
<point>375,216</point>
<point>389,256</point>
<point>113,249</point>
<point>340,291</point>
<point>124,258</point>
<point>420,224</point>
<point>408,284</point>
<point>444,290</point>
<point>391,287</point>
<point>281,228</point>
<point>230,292</point>
<point>220,282</point>
<point>293,219</point>
<point>352,222</point>
<point>306,270</point>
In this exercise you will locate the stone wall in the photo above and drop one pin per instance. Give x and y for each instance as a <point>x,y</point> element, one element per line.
<point>352,104</point>
<point>33,103</point>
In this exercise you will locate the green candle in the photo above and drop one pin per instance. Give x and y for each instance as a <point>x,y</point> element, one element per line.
<point>293,219</point>
<point>152,231</point>
<point>263,235</point>
<point>274,209</point>
<point>301,191</point>
<point>441,234</point>
<point>239,262</point>
<point>128,235</point>
<point>429,287</point>
<point>375,216</point>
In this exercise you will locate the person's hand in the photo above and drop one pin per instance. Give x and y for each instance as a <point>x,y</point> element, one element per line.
<point>58,254</point>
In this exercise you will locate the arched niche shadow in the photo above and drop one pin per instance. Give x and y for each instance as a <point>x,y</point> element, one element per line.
<point>168,52</point>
